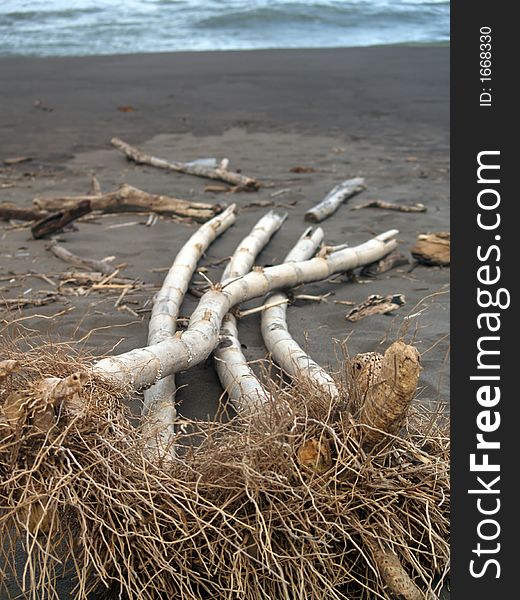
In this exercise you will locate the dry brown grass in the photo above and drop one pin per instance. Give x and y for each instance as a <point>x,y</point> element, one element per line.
<point>243,511</point>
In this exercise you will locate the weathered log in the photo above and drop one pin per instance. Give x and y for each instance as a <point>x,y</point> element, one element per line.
<point>159,400</point>
<point>62,253</point>
<point>244,390</point>
<point>332,201</point>
<point>219,173</point>
<point>131,199</point>
<point>55,222</point>
<point>142,367</point>
<point>10,211</point>
<point>285,351</point>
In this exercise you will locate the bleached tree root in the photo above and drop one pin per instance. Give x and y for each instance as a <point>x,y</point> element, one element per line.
<point>288,511</point>
<point>131,199</point>
<point>284,350</point>
<point>159,400</point>
<point>386,385</point>
<point>333,200</point>
<point>237,378</point>
<point>394,576</point>
<point>219,173</point>
<point>99,266</point>
<point>142,367</point>
<point>7,367</point>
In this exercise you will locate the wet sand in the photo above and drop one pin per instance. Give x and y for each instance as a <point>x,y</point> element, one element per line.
<point>381,113</point>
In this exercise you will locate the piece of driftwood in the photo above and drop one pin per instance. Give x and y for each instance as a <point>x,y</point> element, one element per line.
<point>432,248</point>
<point>10,211</point>
<point>78,261</point>
<point>55,222</point>
<point>143,367</point>
<point>408,208</point>
<point>23,302</point>
<point>130,199</point>
<point>219,173</point>
<point>332,201</point>
<point>16,160</point>
<point>376,305</point>
<point>393,260</point>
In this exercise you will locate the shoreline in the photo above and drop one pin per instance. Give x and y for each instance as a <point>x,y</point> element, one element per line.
<point>406,44</point>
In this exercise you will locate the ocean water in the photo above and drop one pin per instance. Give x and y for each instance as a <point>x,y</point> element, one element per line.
<point>82,27</point>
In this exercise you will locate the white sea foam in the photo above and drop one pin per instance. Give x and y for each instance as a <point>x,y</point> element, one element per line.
<point>80,27</point>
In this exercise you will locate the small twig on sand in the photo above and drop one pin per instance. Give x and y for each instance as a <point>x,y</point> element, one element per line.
<point>125,291</point>
<point>78,261</point>
<point>126,308</point>
<point>408,208</point>
<point>23,302</point>
<point>253,311</point>
<point>312,298</point>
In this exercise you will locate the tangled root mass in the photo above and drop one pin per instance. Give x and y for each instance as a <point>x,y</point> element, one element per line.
<point>298,502</point>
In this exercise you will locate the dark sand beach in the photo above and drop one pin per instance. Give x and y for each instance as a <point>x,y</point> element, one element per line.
<point>381,113</point>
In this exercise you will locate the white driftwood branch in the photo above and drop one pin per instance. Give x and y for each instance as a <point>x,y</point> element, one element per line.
<point>242,386</point>
<point>330,204</point>
<point>142,367</point>
<point>159,400</point>
<point>91,264</point>
<point>284,350</point>
<point>219,173</point>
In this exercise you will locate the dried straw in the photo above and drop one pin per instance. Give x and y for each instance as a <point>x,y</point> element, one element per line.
<point>286,504</point>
